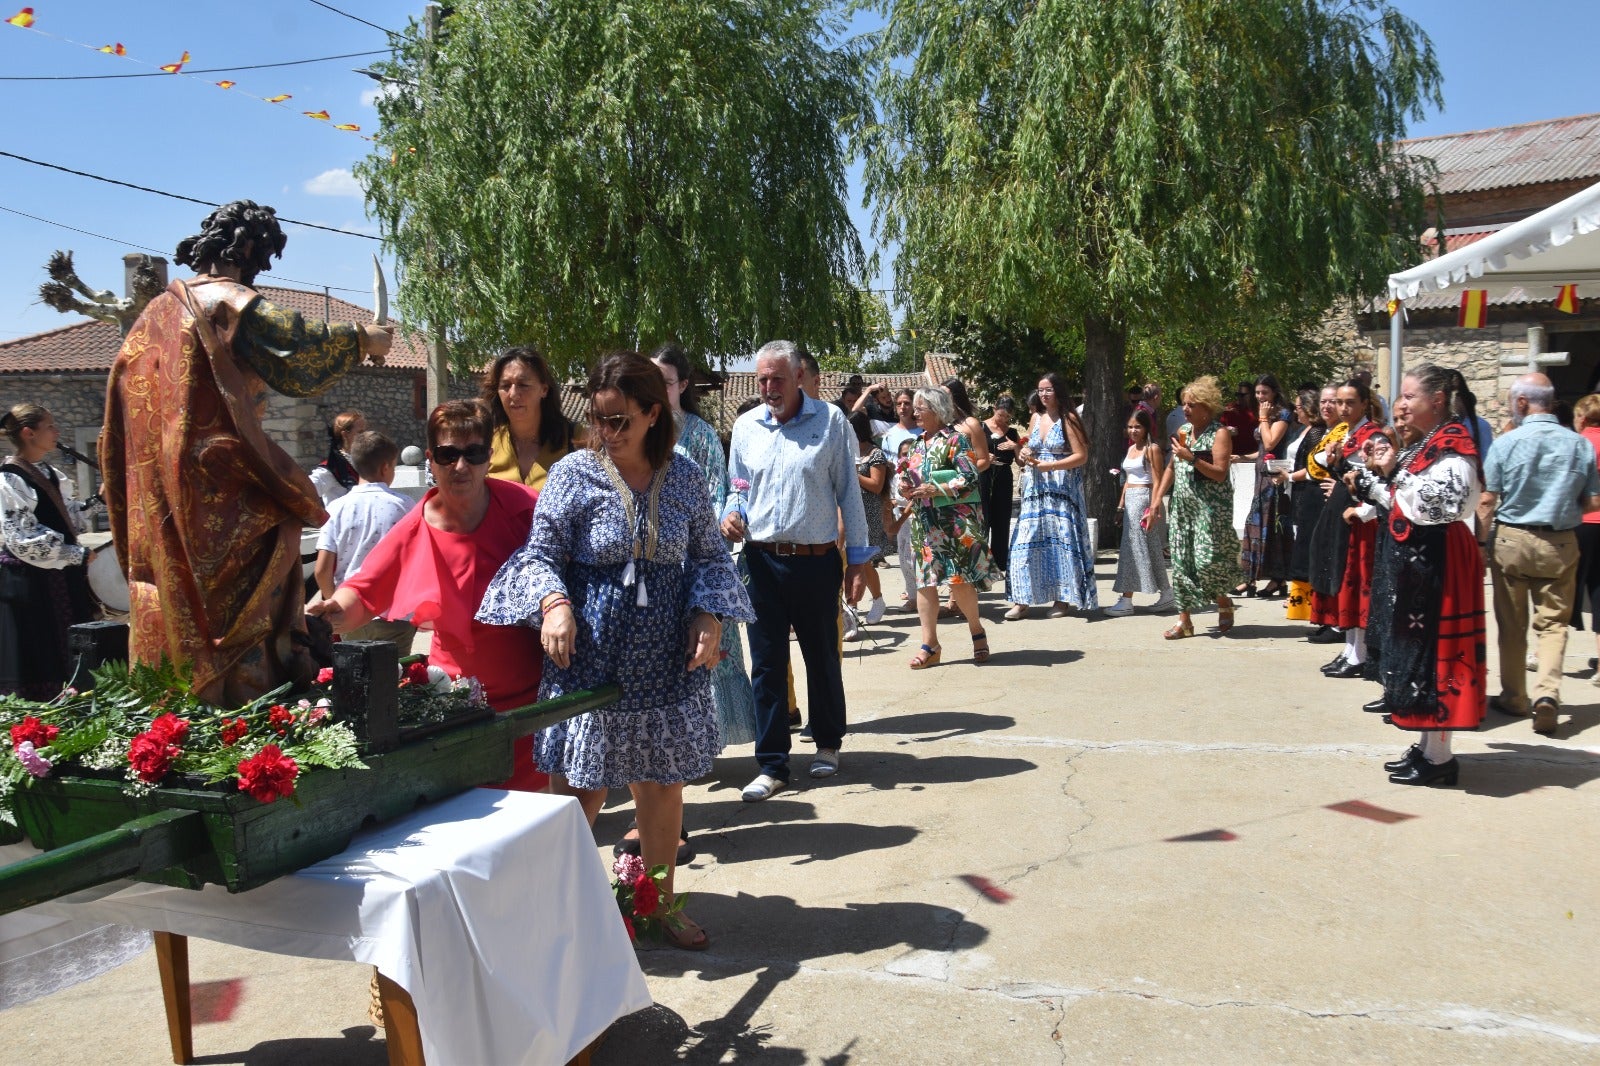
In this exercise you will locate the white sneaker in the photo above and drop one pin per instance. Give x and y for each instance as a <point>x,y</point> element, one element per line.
<point>852,624</point>
<point>1165,603</point>
<point>1124,605</point>
<point>875,611</point>
<point>763,787</point>
<point>825,763</point>
<point>1533,661</point>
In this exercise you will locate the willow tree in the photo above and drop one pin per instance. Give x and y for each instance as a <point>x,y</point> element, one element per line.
<point>1104,167</point>
<point>582,175</point>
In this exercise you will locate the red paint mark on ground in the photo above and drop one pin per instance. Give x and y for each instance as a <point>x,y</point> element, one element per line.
<point>987,888</point>
<point>1363,809</point>
<point>215,1001</point>
<point>1209,834</point>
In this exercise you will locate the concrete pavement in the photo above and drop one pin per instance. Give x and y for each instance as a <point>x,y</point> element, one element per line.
<point>1098,847</point>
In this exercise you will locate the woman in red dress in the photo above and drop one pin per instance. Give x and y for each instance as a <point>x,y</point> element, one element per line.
<point>436,562</point>
<point>1347,609</point>
<point>1433,663</point>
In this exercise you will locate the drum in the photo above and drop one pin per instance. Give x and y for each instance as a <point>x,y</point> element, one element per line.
<point>109,584</point>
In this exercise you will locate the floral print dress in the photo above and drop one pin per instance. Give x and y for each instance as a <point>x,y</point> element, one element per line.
<point>948,543</point>
<point>1204,546</point>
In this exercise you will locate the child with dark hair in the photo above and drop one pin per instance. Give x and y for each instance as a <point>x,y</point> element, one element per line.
<point>356,522</point>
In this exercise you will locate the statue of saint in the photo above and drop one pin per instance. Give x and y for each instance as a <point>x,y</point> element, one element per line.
<point>206,511</point>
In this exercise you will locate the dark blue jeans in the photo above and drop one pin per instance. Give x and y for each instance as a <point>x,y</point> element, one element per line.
<point>799,591</point>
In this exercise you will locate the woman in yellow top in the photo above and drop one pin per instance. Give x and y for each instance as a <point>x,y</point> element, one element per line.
<point>530,432</point>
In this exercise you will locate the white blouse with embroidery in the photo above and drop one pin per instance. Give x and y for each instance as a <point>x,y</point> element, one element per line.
<point>1447,491</point>
<point>28,539</point>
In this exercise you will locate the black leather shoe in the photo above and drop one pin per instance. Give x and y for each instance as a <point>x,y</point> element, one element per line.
<point>1388,719</point>
<point>1377,706</point>
<point>1347,670</point>
<point>1413,754</point>
<point>1423,772</point>
<point>1337,662</point>
<point>1326,635</point>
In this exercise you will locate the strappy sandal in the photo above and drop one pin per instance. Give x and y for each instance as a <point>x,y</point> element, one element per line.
<point>928,656</point>
<point>980,647</point>
<point>1224,618</point>
<point>683,933</point>
<point>1178,631</point>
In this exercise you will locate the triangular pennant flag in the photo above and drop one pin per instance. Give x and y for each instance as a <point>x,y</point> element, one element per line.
<point>1474,313</point>
<point>280,98</point>
<point>23,18</point>
<point>323,115</point>
<point>176,68</point>
<point>114,49</point>
<point>226,84</point>
<point>347,126</point>
<point>1567,300</point>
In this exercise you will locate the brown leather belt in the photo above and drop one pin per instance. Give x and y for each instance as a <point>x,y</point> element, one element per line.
<point>784,548</point>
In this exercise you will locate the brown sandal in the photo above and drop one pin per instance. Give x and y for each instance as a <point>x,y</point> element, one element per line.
<point>1179,630</point>
<point>1224,618</point>
<point>683,933</point>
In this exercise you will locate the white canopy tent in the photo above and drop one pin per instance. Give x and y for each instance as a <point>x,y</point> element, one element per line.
<point>1558,246</point>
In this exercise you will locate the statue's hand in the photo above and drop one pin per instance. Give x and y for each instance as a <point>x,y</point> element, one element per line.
<point>378,340</point>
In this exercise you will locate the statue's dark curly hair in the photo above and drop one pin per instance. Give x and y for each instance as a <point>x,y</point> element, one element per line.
<point>241,233</point>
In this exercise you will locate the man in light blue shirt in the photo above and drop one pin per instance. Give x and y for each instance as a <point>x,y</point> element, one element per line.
<point>1538,481</point>
<point>792,477</point>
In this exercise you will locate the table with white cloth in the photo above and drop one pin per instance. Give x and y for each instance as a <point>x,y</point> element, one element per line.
<point>491,909</point>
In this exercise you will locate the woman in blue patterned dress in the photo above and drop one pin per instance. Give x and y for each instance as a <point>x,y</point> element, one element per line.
<point>1051,558</point>
<point>730,685</point>
<point>628,578</point>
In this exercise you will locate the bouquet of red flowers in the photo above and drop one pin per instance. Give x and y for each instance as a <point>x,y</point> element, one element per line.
<point>639,896</point>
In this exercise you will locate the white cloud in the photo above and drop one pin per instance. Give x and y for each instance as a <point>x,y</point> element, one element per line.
<point>334,183</point>
<point>370,97</point>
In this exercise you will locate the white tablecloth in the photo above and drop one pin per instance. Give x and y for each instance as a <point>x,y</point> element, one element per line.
<point>490,908</point>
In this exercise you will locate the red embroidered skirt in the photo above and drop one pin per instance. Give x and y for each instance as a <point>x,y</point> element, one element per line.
<point>1355,591</point>
<point>1461,664</point>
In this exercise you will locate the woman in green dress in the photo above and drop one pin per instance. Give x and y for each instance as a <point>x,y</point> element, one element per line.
<point>948,539</point>
<point>1203,544</point>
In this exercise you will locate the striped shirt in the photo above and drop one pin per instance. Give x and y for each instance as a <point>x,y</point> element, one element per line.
<point>798,477</point>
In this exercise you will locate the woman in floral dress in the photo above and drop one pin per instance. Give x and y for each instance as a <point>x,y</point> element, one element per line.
<point>1204,547</point>
<point>947,539</point>
<point>628,578</point>
<point>1051,558</point>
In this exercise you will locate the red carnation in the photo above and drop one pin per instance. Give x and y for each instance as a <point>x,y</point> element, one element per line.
<point>646,896</point>
<point>417,672</point>
<point>268,775</point>
<point>151,755</point>
<point>233,731</point>
<point>280,718</point>
<point>30,728</point>
<point>171,728</point>
<point>325,676</point>
<point>1269,457</point>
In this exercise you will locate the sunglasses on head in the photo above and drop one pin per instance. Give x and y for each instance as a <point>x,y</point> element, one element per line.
<point>447,455</point>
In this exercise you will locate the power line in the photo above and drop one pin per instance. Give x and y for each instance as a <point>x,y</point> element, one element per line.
<point>207,70</point>
<point>158,251</point>
<point>176,196</point>
<point>354,18</point>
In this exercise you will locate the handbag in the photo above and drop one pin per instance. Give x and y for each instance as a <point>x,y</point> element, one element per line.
<point>942,478</point>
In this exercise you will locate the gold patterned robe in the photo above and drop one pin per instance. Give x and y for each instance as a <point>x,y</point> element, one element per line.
<point>206,511</point>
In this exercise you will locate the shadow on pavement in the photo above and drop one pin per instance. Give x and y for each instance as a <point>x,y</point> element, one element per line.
<point>362,1046</point>
<point>1031,657</point>
<point>1522,768</point>
<point>945,724</point>
<point>805,841</point>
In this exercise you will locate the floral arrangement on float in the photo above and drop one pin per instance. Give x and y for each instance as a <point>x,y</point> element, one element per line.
<point>638,893</point>
<point>144,727</point>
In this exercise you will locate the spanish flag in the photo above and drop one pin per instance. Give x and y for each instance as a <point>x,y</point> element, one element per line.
<point>1474,313</point>
<point>114,49</point>
<point>23,18</point>
<point>348,126</point>
<point>280,98</point>
<point>1567,300</point>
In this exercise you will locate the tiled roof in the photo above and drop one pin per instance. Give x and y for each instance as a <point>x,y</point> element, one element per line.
<point>90,346</point>
<point>941,367</point>
<point>1561,149</point>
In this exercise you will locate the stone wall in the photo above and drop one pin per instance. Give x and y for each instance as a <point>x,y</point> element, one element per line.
<point>78,401</point>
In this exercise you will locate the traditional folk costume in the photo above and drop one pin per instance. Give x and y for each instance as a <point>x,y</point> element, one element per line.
<point>1305,506</point>
<point>206,510</point>
<point>1432,629</point>
<point>1343,601</point>
<point>44,587</point>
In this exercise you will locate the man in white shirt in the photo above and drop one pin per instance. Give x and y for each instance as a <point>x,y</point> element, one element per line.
<point>356,522</point>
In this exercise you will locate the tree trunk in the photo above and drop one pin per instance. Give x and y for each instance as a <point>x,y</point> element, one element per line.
<point>1105,345</point>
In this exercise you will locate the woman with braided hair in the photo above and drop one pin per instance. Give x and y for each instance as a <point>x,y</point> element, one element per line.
<point>1433,667</point>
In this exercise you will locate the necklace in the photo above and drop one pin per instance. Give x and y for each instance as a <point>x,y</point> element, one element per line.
<point>645,528</point>
<point>1411,453</point>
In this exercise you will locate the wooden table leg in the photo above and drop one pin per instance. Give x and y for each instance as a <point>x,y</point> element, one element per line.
<point>400,1031</point>
<point>172,961</point>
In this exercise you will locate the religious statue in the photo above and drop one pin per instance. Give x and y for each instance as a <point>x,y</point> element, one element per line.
<point>206,511</point>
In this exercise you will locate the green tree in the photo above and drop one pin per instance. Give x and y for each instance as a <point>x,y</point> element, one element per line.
<point>1110,168</point>
<point>582,175</point>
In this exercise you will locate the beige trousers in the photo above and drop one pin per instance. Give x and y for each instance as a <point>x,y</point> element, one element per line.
<point>1542,567</point>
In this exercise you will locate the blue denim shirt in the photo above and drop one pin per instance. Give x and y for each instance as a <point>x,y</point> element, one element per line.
<point>800,476</point>
<point>1542,473</point>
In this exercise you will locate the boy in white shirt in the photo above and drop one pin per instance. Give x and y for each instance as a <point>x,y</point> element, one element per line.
<point>356,522</point>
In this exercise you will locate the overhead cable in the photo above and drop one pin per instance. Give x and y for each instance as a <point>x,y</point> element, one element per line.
<point>206,70</point>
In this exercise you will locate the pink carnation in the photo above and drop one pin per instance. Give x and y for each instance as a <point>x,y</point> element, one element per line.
<point>628,868</point>
<point>32,761</point>
<point>740,484</point>
<point>325,676</point>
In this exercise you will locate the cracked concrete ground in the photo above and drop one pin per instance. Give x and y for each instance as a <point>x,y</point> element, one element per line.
<point>998,874</point>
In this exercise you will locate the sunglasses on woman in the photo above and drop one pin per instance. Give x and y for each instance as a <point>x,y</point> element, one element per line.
<point>611,423</point>
<point>447,455</point>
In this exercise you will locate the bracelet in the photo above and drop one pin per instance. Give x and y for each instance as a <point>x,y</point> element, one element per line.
<point>546,608</point>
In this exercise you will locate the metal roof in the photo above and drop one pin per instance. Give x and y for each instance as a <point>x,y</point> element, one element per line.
<point>1531,153</point>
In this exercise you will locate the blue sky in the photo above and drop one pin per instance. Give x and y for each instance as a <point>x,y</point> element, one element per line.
<point>181,134</point>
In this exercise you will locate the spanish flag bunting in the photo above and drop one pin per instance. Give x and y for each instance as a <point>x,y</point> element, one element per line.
<point>347,126</point>
<point>1474,313</point>
<point>114,49</point>
<point>323,115</point>
<point>280,98</point>
<point>176,68</point>
<point>225,84</point>
<point>23,18</point>
<point>1567,300</point>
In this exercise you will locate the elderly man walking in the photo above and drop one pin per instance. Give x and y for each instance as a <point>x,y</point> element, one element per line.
<point>792,467</point>
<point>1539,479</point>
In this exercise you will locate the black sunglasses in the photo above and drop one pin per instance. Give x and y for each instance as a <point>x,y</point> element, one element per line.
<point>611,423</point>
<point>447,455</point>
